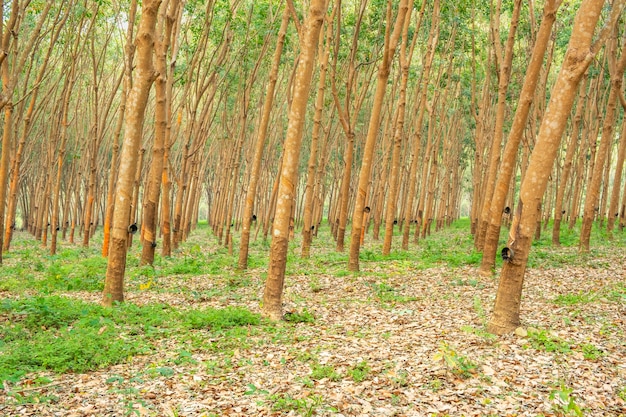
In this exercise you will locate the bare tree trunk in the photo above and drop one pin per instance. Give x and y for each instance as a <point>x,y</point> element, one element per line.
<point>398,137</point>
<point>617,181</point>
<point>391,41</point>
<point>255,171</point>
<point>593,189</point>
<point>135,112</point>
<point>309,191</point>
<point>167,18</point>
<point>509,158</point>
<point>129,51</point>
<point>433,37</point>
<point>579,55</point>
<point>496,144</point>
<point>272,296</point>
<point>567,166</point>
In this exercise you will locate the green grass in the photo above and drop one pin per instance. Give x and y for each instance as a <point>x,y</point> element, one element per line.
<point>324,372</point>
<point>573,299</point>
<point>360,371</point>
<point>68,335</point>
<point>39,330</point>
<point>543,340</point>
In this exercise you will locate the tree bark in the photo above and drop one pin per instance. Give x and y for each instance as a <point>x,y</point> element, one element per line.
<point>391,41</point>
<point>309,191</point>
<point>135,112</point>
<point>259,146</point>
<point>593,189</point>
<point>272,296</point>
<point>509,157</point>
<point>567,166</point>
<point>498,133</point>
<point>579,55</point>
<point>161,114</point>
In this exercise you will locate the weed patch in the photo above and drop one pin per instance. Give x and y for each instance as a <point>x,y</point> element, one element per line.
<point>63,334</point>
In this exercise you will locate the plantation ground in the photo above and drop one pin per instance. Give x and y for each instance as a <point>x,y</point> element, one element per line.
<point>405,336</point>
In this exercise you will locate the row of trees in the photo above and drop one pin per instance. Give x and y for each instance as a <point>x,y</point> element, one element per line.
<point>273,116</point>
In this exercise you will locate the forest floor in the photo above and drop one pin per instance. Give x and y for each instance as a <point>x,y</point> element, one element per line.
<point>406,336</point>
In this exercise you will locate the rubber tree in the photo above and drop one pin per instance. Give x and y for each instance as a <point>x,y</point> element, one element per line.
<point>391,42</point>
<point>12,61</point>
<point>259,146</point>
<point>272,295</point>
<point>129,52</point>
<point>129,154</point>
<point>506,64</point>
<point>399,134</point>
<point>580,53</point>
<point>509,157</point>
<point>616,70</point>
<point>433,37</point>
<point>168,18</point>
<point>309,191</point>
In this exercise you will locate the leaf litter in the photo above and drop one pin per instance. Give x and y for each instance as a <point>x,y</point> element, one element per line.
<point>389,341</point>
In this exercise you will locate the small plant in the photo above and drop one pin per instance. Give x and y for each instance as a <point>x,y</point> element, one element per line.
<point>314,285</point>
<point>480,332</point>
<point>573,299</point>
<point>253,390</point>
<point>220,319</point>
<point>324,372</point>
<point>591,353</point>
<point>400,378</point>
<point>564,402</point>
<point>458,364</point>
<point>435,384</point>
<point>622,394</point>
<point>542,340</point>
<point>388,294</point>
<point>300,317</point>
<point>304,406</point>
<point>359,372</point>
<point>479,309</point>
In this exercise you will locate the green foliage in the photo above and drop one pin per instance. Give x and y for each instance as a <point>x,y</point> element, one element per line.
<point>303,316</point>
<point>306,406</point>
<point>480,332</point>
<point>459,365</point>
<point>542,340</point>
<point>184,266</point>
<point>64,334</point>
<point>591,352</point>
<point>324,371</point>
<point>211,318</point>
<point>573,299</point>
<point>564,402</point>
<point>359,372</point>
<point>388,294</point>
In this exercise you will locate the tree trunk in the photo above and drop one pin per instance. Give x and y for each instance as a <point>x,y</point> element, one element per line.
<point>433,37</point>
<point>309,191</point>
<point>498,133</point>
<point>398,137</point>
<point>161,115</point>
<point>567,166</point>
<point>129,51</point>
<point>617,181</point>
<point>135,112</point>
<point>579,55</point>
<point>593,189</point>
<point>257,159</point>
<point>391,41</point>
<point>509,157</point>
<point>272,296</point>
